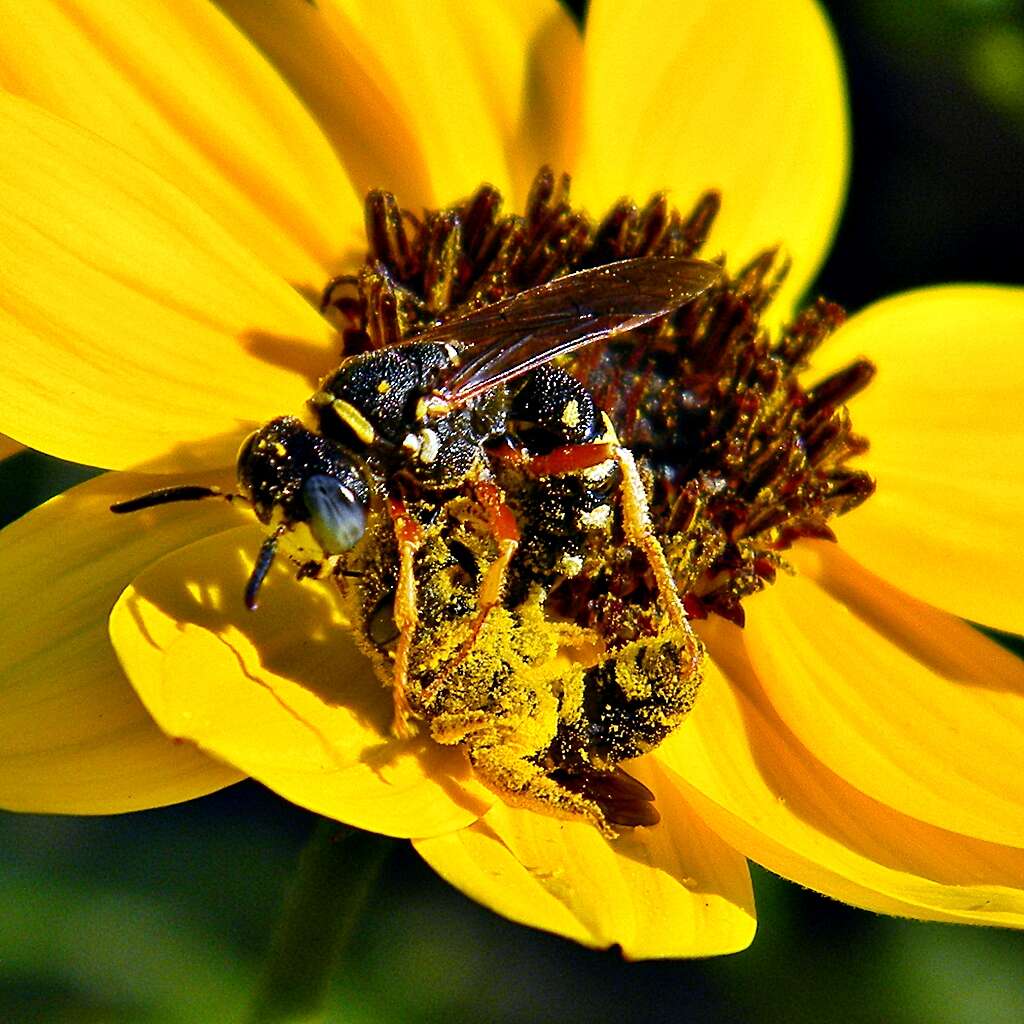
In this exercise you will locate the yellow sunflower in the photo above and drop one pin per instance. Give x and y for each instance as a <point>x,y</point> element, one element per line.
<point>179,180</point>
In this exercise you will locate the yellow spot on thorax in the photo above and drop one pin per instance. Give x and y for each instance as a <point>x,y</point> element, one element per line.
<point>571,414</point>
<point>431,407</point>
<point>429,445</point>
<point>355,420</point>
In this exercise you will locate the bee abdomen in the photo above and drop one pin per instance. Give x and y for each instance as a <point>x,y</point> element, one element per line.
<point>626,704</point>
<point>551,410</point>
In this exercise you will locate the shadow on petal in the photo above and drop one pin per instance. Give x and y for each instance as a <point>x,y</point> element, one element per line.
<point>760,788</point>
<point>283,693</point>
<point>673,890</point>
<point>899,725</point>
<point>550,117</point>
<point>298,633</point>
<point>290,353</point>
<point>947,645</point>
<point>74,737</point>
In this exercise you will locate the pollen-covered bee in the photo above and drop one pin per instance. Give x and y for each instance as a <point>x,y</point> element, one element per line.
<point>454,486</point>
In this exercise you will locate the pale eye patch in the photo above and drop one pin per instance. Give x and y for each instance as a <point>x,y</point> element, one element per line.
<point>337,518</point>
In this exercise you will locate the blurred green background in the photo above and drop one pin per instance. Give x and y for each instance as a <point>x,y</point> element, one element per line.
<point>167,915</point>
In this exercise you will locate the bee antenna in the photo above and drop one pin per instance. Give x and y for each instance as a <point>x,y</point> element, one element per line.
<point>264,560</point>
<point>167,495</point>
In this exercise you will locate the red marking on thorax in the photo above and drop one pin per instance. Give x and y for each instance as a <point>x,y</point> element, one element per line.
<point>572,458</point>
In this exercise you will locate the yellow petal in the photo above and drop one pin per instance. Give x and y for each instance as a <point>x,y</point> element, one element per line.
<point>465,76</point>
<point>764,793</point>
<point>674,890</point>
<point>9,447</point>
<point>283,693</point>
<point>548,125</point>
<point>516,86</point>
<point>347,90</point>
<point>74,738</point>
<point>905,702</point>
<point>947,447</point>
<point>180,88</point>
<point>131,326</point>
<point>745,97</point>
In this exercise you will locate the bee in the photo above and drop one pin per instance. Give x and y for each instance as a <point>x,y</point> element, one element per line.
<point>455,487</point>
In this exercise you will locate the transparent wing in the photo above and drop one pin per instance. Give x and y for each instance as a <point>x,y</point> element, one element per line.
<point>510,338</point>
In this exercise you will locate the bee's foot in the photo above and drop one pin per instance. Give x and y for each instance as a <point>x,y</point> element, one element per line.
<point>403,721</point>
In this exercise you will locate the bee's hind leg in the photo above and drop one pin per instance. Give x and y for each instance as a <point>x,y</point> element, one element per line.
<point>639,530</point>
<point>521,782</point>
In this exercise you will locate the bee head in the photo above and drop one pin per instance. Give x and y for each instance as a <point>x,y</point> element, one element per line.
<point>292,476</point>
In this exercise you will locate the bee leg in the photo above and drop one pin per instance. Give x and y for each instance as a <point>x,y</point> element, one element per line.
<point>506,533</point>
<point>636,521</point>
<point>505,767</point>
<point>409,537</point>
<point>521,782</point>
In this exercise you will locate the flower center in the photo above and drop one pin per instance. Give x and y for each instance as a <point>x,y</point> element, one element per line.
<point>549,535</point>
<point>738,457</point>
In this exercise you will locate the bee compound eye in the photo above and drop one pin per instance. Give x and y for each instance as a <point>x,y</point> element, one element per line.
<point>337,517</point>
<point>245,449</point>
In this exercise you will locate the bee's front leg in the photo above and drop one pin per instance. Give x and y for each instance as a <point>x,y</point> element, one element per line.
<point>409,535</point>
<point>506,534</point>
<point>503,526</point>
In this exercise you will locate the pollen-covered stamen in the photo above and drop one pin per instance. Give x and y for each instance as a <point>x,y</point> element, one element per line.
<point>739,455</point>
<point>743,459</point>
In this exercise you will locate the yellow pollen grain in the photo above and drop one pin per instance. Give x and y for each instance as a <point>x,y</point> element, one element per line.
<point>570,565</point>
<point>599,473</point>
<point>429,445</point>
<point>432,407</point>
<point>571,414</point>
<point>353,418</point>
<point>596,517</point>
<point>383,387</point>
<point>573,689</point>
